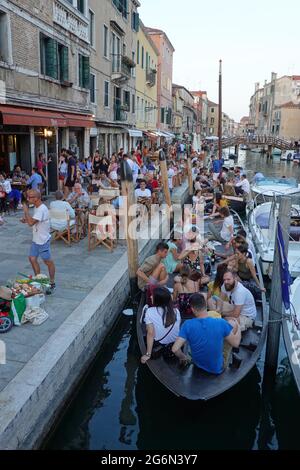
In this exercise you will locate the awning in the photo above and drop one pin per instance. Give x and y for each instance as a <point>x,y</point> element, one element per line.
<point>12,115</point>
<point>135,132</point>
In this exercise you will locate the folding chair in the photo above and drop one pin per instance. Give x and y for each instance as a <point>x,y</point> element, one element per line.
<point>64,234</point>
<point>101,232</point>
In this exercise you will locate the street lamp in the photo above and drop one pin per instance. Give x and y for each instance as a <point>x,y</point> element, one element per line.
<point>48,133</point>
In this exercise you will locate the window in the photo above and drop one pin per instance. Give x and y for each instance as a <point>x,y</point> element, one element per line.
<point>147,58</point>
<point>138,107</point>
<point>105,41</point>
<point>54,59</point>
<point>212,121</point>
<point>106,94</point>
<point>121,5</point>
<point>4,38</point>
<point>133,68</point>
<point>142,57</point>
<point>80,6</point>
<point>133,104</point>
<point>92,28</point>
<point>162,115</point>
<point>126,100</point>
<point>212,110</point>
<point>93,88</point>
<point>138,53</point>
<point>135,21</point>
<point>169,116</point>
<point>83,71</point>
<point>124,49</point>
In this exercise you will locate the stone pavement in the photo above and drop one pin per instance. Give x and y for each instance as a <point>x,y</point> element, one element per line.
<point>77,273</point>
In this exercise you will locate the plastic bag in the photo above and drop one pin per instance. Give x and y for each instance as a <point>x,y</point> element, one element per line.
<point>18,307</point>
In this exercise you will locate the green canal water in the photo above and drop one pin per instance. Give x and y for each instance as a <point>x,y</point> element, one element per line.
<point>121,406</point>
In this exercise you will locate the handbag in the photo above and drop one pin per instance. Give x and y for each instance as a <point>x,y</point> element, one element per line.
<point>164,350</point>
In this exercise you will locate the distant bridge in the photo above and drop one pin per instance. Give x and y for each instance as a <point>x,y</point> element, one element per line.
<point>258,141</point>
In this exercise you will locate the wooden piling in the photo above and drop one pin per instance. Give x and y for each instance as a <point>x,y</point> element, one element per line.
<point>190,176</point>
<point>164,177</point>
<point>276,308</point>
<point>132,244</point>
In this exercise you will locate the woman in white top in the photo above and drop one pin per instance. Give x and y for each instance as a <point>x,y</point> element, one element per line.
<point>162,322</point>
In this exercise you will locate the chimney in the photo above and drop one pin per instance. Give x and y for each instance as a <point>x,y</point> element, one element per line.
<point>273,76</point>
<point>256,86</point>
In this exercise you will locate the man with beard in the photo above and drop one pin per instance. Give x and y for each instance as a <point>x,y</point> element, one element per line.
<point>238,302</point>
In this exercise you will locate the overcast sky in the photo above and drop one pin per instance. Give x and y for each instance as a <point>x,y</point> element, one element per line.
<point>252,38</point>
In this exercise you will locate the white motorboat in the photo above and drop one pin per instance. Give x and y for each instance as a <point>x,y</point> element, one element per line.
<point>291,331</point>
<point>257,150</point>
<point>262,224</point>
<point>243,147</point>
<point>276,151</point>
<point>287,156</point>
<point>271,187</point>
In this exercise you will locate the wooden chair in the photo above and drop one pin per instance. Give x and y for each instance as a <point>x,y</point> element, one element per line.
<point>101,232</point>
<point>66,234</point>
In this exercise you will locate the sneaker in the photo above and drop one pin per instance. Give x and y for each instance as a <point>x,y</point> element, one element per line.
<point>51,289</point>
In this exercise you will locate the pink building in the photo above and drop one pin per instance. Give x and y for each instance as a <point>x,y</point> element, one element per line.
<point>164,78</point>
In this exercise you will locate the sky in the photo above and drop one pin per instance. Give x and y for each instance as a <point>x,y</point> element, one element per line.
<point>252,38</point>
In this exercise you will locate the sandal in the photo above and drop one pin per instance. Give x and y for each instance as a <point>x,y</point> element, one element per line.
<point>185,363</point>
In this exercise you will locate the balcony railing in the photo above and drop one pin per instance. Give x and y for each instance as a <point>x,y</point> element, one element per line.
<point>120,114</point>
<point>151,77</point>
<point>121,67</point>
<point>71,19</point>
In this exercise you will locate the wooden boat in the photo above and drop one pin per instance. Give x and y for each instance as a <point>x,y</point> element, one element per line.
<point>236,203</point>
<point>195,384</point>
<point>291,332</point>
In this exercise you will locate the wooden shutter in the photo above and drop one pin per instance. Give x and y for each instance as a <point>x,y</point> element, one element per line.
<point>137,22</point>
<point>51,58</point>
<point>86,72</point>
<point>64,64</point>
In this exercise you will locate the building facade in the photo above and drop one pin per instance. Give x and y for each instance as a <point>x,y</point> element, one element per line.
<point>212,119</point>
<point>164,79</point>
<point>45,81</point>
<point>113,74</point>
<point>146,86</point>
<point>178,104</point>
<point>201,107</point>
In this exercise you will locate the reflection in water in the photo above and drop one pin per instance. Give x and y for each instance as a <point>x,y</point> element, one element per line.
<point>168,422</point>
<point>122,406</point>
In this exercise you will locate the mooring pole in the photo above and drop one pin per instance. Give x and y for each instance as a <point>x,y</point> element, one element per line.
<point>164,177</point>
<point>220,128</point>
<point>132,244</point>
<point>275,307</point>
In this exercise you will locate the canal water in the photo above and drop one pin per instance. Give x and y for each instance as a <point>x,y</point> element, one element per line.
<point>121,406</point>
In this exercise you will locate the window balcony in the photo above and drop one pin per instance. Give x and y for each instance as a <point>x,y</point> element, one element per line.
<point>151,77</point>
<point>119,113</point>
<point>121,68</point>
<point>71,19</point>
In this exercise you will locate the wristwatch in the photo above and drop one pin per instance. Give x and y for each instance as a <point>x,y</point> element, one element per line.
<point>148,354</point>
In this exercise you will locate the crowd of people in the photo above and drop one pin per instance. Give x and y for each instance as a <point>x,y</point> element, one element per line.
<point>181,282</point>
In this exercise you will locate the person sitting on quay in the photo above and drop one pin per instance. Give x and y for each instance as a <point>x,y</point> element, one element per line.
<point>242,187</point>
<point>162,323</point>
<point>236,301</point>
<point>143,195</point>
<point>35,181</point>
<point>79,198</point>
<point>153,272</point>
<point>206,337</point>
<point>59,205</point>
<point>104,182</point>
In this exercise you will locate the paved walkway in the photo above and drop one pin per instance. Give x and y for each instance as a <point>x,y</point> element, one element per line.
<point>78,272</point>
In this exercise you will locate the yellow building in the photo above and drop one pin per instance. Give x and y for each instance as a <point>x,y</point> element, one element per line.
<point>146,81</point>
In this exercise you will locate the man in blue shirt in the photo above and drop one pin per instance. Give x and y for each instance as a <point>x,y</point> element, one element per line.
<point>217,167</point>
<point>34,180</point>
<point>206,335</point>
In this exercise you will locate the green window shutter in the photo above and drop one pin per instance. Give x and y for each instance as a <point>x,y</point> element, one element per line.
<point>64,64</point>
<point>137,22</point>
<point>51,59</point>
<point>80,66</point>
<point>162,115</point>
<point>86,71</point>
